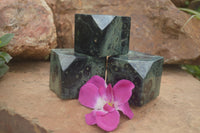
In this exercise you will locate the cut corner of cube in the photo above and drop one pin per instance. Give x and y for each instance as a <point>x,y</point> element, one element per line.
<point>102,35</point>
<point>143,70</point>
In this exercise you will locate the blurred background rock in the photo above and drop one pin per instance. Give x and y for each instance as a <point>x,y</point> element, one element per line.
<point>156,26</point>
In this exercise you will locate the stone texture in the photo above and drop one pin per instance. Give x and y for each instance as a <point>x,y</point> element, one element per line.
<point>143,70</point>
<point>102,35</point>
<point>156,26</point>
<point>33,25</point>
<point>24,92</point>
<point>69,71</point>
<point>10,122</point>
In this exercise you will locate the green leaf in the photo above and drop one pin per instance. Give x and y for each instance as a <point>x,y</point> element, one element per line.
<point>2,61</point>
<point>194,70</point>
<point>4,40</point>
<point>5,56</point>
<point>3,69</point>
<point>193,12</point>
<point>187,2</point>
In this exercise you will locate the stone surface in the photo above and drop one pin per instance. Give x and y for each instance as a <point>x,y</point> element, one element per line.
<point>33,25</point>
<point>24,92</point>
<point>143,70</point>
<point>102,35</point>
<point>69,71</point>
<point>156,26</point>
<point>10,122</point>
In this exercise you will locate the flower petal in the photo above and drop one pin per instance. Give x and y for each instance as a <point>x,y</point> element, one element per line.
<point>122,91</point>
<point>100,113</point>
<point>102,92</point>
<point>88,95</point>
<point>108,121</point>
<point>126,110</point>
<point>98,81</point>
<point>99,104</point>
<point>109,93</point>
<point>90,118</point>
<point>108,108</point>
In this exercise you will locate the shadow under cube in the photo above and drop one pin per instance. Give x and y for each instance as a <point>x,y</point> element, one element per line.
<point>69,71</point>
<point>142,69</point>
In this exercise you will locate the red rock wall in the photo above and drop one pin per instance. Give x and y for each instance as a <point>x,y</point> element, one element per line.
<point>33,26</point>
<point>156,28</point>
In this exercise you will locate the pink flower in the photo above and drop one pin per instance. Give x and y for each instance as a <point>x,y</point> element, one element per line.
<point>106,101</point>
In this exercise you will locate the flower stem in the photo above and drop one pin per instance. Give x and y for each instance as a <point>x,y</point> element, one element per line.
<point>106,68</point>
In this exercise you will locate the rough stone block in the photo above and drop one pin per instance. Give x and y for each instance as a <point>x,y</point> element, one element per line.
<point>143,70</point>
<point>102,35</point>
<point>69,71</point>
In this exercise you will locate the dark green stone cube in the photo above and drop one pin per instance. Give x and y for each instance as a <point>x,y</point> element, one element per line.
<point>142,69</point>
<point>102,35</point>
<point>69,71</point>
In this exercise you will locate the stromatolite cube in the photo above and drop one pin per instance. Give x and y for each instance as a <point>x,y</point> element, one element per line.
<point>69,71</point>
<point>102,35</point>
<point>143,70</point>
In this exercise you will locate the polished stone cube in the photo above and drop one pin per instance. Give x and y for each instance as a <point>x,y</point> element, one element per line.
<point>143,70</point>
<point>69,71</point>
<point>102,35</point>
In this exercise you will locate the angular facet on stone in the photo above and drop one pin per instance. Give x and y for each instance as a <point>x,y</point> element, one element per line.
<point>102,35</point>
<point>142,69</point>
<point>69,71</point>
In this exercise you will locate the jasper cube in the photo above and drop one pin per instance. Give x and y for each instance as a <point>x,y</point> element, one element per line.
<point>143,70</point>
<point>69,71</point>
<point>102,35</point>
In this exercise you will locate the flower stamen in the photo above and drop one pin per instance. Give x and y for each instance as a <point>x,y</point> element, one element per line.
<point>110,104</point>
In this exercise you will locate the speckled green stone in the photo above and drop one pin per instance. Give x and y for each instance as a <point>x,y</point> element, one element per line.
<point>102,35</point>
<point>69,71</point>
<point>143,70</point>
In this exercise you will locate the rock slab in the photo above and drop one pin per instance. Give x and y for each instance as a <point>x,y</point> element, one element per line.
<point>25,99</point>
<point>33,25</point>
